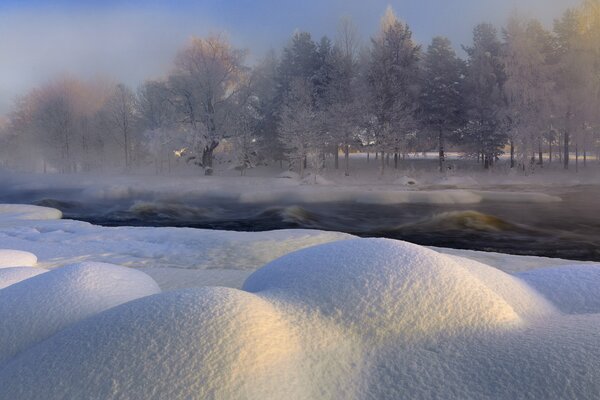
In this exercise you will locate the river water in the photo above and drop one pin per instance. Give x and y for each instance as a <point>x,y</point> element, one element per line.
<point>569,229</point>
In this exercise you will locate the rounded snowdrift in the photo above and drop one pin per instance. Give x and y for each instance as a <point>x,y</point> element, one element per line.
<point>385,288</point>
<point>10,276</point>
<point>38,307</point>
<point>213,343</point>
<point>363,318</point>
<point>27,212</point>
<point>16,258</point>
<point>572,289</point>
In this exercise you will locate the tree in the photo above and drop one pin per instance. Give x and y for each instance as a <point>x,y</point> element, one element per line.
<point>207,75</point>
<point>300,128</point>
<point>442,96</point>
<point>484,93</point>
<point>122,115</point>
<point>527,57</point>
<point>391,76</point>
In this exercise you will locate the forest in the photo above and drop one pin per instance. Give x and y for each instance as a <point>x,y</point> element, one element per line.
<point>522,95</point>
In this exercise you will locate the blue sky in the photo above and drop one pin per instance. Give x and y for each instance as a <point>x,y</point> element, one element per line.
<point>135,39</point>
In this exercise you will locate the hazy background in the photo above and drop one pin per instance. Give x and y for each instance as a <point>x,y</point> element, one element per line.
<point>133,40</point>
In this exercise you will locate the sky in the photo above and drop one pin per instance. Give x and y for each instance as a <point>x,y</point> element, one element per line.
<point>130,41</point>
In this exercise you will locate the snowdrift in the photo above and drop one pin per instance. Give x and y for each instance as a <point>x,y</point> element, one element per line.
<point>361,318</point>
<point>27,212</point>
<point>10,276</point>
<point>36,308</point>
<point>16,258</point>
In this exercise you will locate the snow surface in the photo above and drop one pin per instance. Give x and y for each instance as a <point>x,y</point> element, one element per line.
<point>334,317</point>
<point>16,258</point>
<point>10,276</point>
<point>36,308</point>
<point>23,211</point>
<point>356,319</point>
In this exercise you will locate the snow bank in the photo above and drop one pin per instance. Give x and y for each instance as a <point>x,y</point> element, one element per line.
<point>456,181</point>
<point>212,343</point>
<point>406,181</point>
<point>16,258</point>
<point>10,276</point>
<point>410,291</point>
<point>573,289</point>
<point>289,175</point>
<point>359,318</point>
<point>25,212</point>
<point>38,307</point>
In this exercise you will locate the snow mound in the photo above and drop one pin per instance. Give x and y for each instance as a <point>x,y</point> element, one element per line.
<point>385,288</point>
<point>289,175</point>
<point>312,179</point>
<point>10,276</point>
<point>456,181</point>
<point>16,258</point>
<point>38,307</point>
<point>406,181</point>
<point>211,343</point>
<point>573,289</point>
<point>27,212</point>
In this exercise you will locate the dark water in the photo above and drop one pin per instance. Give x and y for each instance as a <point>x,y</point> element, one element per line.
<point>569,229</point>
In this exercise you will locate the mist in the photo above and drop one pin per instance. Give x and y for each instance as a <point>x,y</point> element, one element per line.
<point>134,41</point>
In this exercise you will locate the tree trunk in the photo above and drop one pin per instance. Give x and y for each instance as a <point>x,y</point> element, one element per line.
<point>382,162</point>
<point>442,156</point>
<point>576,157</point>
<point>207,157</point>
<point>540,155</point>
<point>549,151</point>
<point>396,160</point>
<point>347,160</point>
<point>566,141</point>
<point>512,153</point>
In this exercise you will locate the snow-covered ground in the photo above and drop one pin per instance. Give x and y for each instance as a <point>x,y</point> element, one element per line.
<point>98,312</point>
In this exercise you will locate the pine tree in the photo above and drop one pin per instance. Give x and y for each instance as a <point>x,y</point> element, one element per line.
<point>391,77</point>
<point>441,107</point>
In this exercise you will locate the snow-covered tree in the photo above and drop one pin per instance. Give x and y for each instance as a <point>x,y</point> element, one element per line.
<point>207,75</point>
<point>441,101</point>
<point>300,128</point>
<point>527,58</point>
<point>392,83</point>
<point>485,133</point>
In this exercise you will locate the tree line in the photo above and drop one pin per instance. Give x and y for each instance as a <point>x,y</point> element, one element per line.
<point>524,91</point>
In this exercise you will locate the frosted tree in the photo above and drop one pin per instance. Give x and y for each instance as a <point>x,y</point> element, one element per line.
<point>343,113</point>
<point>300,128</point>
<point>265,90</point>
<point>441,101</point>
<point>527,56</point>
<point>207,75</point>
<point>158,123</point>
<point>122,116</point>
<point>485,95</point>
<point>392,75</point>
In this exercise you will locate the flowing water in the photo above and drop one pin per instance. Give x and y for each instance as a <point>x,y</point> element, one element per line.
<point>568,229</point>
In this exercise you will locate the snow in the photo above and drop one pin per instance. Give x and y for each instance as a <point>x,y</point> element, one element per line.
<point>573,289</point>
<point>359,318</point>
<point>406,181</point>
<point>10,276</point>
<point>319,315</point>
<point>401,281</point>
<point>36,308</point>
<point>23,211</point>
<point>16,258</point>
